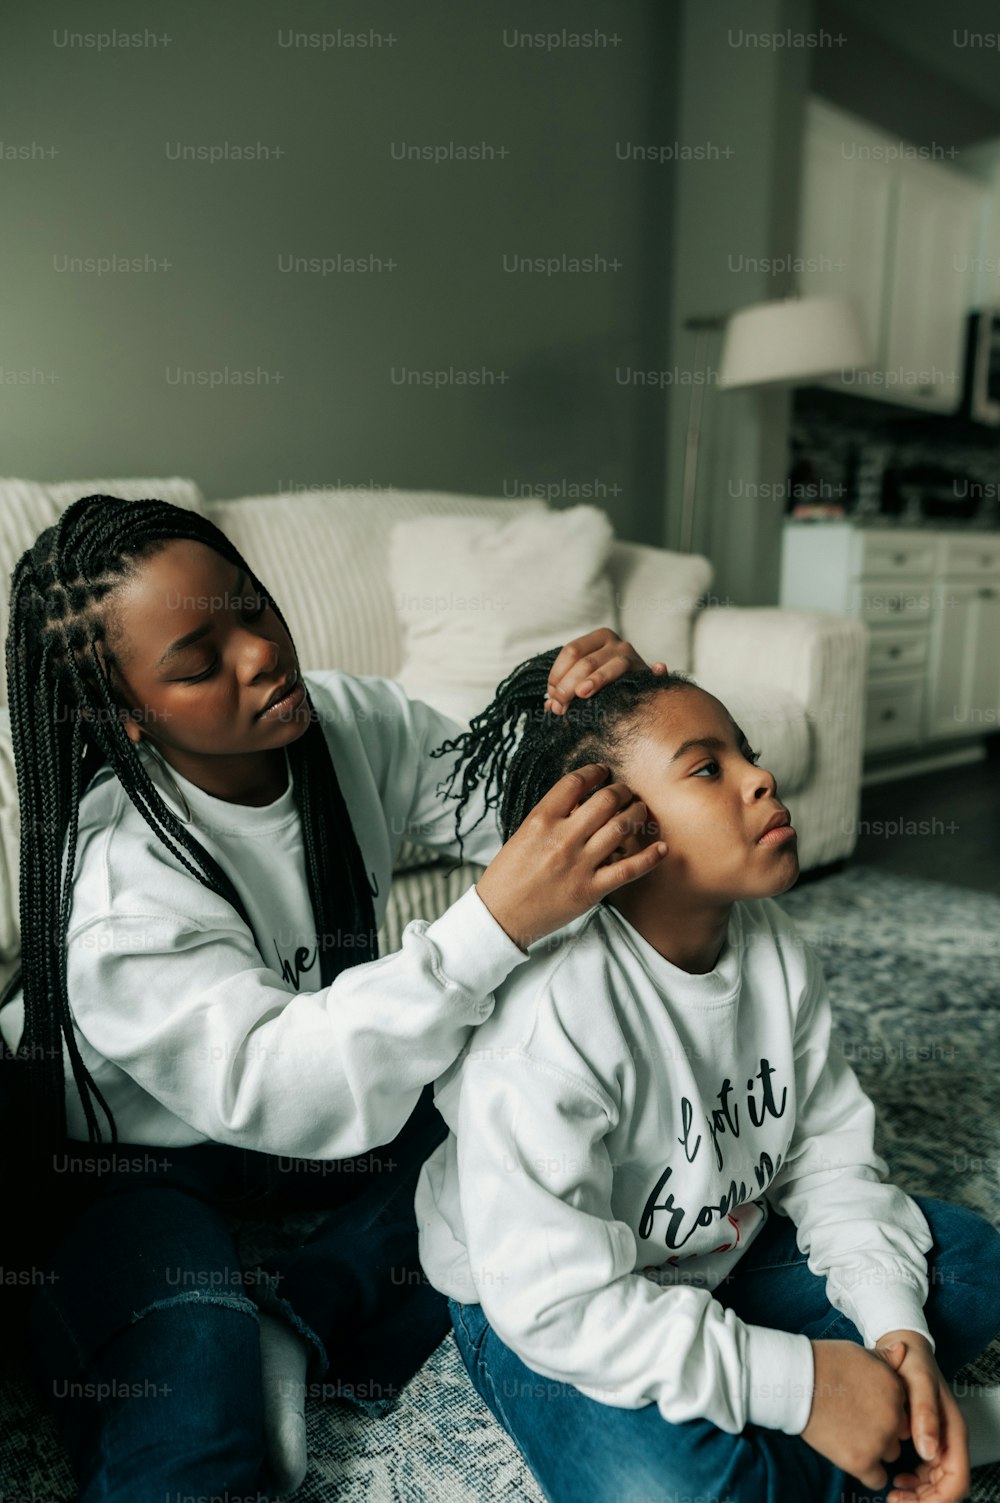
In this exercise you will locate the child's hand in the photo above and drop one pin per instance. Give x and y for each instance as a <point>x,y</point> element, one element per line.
<point>588,662</point>
<point>939,1431</point>
<point>858,1414</point>
<point>556,864</point>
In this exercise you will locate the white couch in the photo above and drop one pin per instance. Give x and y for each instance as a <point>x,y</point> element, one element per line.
<point>793,679</point>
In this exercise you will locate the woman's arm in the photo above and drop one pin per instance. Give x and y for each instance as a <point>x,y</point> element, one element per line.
<point>187,1009</point>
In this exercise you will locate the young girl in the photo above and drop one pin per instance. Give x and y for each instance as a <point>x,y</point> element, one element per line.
<point>654,1096</point>
<point>207,841</point>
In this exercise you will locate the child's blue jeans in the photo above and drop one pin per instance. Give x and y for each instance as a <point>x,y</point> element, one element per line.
<point>582,1451</point>
<point>143,1329</point>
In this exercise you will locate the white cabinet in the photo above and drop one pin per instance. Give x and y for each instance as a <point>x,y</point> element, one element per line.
<point>897,234</point>
<point>845,210</point>
<point>965,674</point>
<point>930,286</point>
<point>846,201</point>
<point>931,601</point>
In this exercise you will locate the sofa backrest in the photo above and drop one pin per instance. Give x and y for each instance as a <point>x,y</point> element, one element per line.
<point>324,556</point>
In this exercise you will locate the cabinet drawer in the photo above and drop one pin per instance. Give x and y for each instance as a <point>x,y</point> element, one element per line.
<point>892,714</point>
<point>892,651</point>
<point>886,557</point>
<point>895,600</point>
<point>965,555</point>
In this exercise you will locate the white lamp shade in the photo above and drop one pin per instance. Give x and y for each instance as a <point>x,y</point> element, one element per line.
<point>795,339</point>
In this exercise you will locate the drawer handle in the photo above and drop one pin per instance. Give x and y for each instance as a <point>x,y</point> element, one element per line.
<point>889,714</point>
<point>986,593</point>
<point>899,558</point>
<point>986,559</point>
<point>895,605</point>
<point>894,652</point>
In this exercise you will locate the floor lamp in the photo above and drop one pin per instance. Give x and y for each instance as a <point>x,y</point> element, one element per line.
<point>792,340</point>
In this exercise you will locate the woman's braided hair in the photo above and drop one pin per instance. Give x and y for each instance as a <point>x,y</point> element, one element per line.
<point>518,750</point>
<point>66,722</point>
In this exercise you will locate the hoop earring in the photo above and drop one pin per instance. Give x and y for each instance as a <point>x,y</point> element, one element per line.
<point>173,783</point>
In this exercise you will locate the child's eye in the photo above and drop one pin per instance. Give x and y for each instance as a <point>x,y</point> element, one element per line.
<point>752,756</point>
<point>199,676</point>
<point>259,611</point>
<point>707,767</point>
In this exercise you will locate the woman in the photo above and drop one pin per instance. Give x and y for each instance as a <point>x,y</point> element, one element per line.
<point>207,841</point>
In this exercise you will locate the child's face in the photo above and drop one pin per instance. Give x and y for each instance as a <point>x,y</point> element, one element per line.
<point>206,698</point>
<point>711,802</point>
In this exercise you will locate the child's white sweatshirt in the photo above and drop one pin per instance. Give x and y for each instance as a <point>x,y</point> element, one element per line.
<point>191,1035</point>
<point>623,1130</point>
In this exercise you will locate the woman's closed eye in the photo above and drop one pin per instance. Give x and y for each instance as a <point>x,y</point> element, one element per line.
<point>251,615</point>
<point>199,676</point>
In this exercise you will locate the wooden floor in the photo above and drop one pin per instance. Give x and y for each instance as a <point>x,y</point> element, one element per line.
<point>944,826</point>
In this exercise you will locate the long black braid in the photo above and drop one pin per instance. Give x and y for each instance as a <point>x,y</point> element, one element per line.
<point>66,723</point>
<point>518,750</point>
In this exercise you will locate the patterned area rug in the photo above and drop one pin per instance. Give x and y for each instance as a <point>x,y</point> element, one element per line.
<point>915,986</point>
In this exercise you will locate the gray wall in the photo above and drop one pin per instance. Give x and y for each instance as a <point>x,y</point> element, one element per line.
<point>873,77</point>
<point>93,363</point>
<point>736,215</point>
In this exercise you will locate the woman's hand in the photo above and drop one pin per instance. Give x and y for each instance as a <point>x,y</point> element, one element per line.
<point>563,860</point>
<point>938,1429</point>
<point>588,662</point>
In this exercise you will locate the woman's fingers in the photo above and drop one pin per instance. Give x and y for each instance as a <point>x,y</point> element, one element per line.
<point>589,662</point>
<point>604,812</point>
<point>628,829</point>
<point>617,873</point>
<point>572,789</point>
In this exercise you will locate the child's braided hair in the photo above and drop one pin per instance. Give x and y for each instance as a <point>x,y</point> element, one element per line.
<point>518,750</point>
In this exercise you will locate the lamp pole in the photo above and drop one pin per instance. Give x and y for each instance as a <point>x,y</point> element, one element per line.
<point>702,327</point>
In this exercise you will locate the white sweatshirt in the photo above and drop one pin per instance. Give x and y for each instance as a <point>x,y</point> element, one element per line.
<point>623,1130</point>
<point>191,1035</point>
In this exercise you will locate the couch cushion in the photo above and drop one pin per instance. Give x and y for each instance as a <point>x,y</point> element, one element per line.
<point>27,507</point>
<point>477,596</point>
<point>775,723</point>
<point>656,593</point>
<point>323,555</point>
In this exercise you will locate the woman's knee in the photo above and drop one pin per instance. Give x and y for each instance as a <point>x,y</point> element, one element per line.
<point>172,1403</point>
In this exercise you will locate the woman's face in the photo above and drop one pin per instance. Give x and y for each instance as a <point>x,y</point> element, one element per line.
<point>691,764</point>
<point>202,696</point>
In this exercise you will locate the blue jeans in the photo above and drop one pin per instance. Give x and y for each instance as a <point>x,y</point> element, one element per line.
<point>582,1451</point>
<point>143,1329</point>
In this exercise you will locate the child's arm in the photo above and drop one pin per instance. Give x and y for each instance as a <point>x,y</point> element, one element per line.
<point>868,1237</point>
<point>555,1270</point>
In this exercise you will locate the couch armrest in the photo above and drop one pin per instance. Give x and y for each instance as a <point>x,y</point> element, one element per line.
<point>821,658</point>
